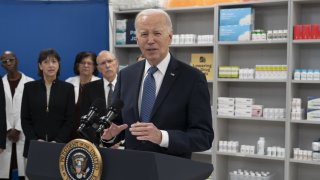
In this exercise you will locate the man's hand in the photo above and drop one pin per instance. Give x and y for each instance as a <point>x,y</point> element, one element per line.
<point>146,132</point>
<point>113,131</point>
<point>13,135</point>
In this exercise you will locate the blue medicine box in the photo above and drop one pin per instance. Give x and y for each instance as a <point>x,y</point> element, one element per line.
<point>236,16</point>
<point>235,33</point>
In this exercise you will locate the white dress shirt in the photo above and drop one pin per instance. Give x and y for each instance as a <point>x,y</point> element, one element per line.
<point>107,88</point>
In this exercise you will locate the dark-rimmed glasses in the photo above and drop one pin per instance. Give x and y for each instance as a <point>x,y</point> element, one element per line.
<point>6,61</point>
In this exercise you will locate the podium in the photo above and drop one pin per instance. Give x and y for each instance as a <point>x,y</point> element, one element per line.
<point>43,163</point>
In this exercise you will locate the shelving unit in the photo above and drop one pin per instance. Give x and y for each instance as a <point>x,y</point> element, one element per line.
<point>303,54</point>
<point>269,15</point>
<point>296,54</point>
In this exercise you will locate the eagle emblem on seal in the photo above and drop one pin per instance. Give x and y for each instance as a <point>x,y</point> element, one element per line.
<point>79,165</point>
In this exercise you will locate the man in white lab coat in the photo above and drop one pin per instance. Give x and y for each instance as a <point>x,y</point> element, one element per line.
<point>13,83</point>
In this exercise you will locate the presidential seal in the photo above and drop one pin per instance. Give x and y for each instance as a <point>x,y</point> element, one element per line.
<point>80,160</point>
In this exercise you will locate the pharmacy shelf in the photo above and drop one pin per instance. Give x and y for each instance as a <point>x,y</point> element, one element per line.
<point>255,156</point>
<point>202,19</point>
<point>296,54</point>
<point>235,118</point>
<point>251,80</point>
<point>126,46</point>
<point>190,45</point>
<point>307,41</point>
<point>271,93</point>
<point>305,81</point>
<point>172,45</point>
<point>305,162</point>
<point>306,122</point>
<point>304,54</point>
<point>252,42</point>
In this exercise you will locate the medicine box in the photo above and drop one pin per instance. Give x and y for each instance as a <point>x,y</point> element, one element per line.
<point>130,32</point>
<point>120,38</point>
<point>313,114</point>
<point>225,112</point>
<point>257,110</point>
<point>313,102</point>
<point>225,100</point>
<point>244,101</point>
<point>121,25</point>
<point>235,33</point>
<point>226,106</point>
<point>236,16</point>
<point>243,113</point>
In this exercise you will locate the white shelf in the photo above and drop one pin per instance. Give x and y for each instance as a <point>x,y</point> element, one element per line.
<point>255,156</point>
<point>253,42</point>
<point>296,54</point>
<point>250,118</point>
<point>127,46</point>
<point>307,41</point>
<point>305,82</point>
<point>172,45</point>
<point>251,80</point>
<point>305,162</point>
<point>190,45</point>
<point>306,122</point>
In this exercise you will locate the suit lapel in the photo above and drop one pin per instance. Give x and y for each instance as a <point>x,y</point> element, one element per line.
<point>136,87</point>
<point>168,80</point>
<point>100,87</point>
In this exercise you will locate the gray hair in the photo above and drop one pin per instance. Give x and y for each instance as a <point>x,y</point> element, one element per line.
<point>147,12</point>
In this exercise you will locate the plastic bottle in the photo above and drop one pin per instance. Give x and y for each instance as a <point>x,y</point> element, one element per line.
<point>260,146</point>
<point>297,74</point>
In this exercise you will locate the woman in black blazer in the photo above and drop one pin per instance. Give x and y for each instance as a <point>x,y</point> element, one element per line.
<point>48,104</point>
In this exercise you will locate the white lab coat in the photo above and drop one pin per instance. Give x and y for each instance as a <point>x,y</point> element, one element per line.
<point>75,81</point>
<point>13,108</point>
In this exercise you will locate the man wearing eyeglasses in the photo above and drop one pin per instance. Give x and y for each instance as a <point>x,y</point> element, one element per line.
<point>13,83</point>
<point>108,66</point>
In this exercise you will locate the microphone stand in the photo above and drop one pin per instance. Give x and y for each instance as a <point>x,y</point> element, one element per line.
<point>88,131</point>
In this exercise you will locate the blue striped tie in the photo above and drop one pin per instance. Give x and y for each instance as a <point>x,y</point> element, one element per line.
<point>149,95</point>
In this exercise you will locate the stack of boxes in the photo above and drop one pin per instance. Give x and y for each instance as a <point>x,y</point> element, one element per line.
<point>296,110</point>
<point>306,31</point>
<point>125,32</point>
<point>121,26</point>
<point>236,24</point>
<point>239,107</point>
<point>225,106</point>
<point>228,72</point>
<point>243,107</point>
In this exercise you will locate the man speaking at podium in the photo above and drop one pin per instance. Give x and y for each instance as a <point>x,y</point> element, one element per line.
<point>166,102</point>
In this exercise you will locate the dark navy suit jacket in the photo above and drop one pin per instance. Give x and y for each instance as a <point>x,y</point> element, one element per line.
<point>182,108</point>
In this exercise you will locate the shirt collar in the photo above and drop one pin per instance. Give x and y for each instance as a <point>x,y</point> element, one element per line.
<point>106,82</point>
<point>162,66</point>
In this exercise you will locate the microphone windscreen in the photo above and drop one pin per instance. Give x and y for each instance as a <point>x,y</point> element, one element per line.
<point>100,104</point>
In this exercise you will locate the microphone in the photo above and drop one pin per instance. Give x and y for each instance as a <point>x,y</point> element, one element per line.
<point>112,112</point>
<point>95,110</point>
